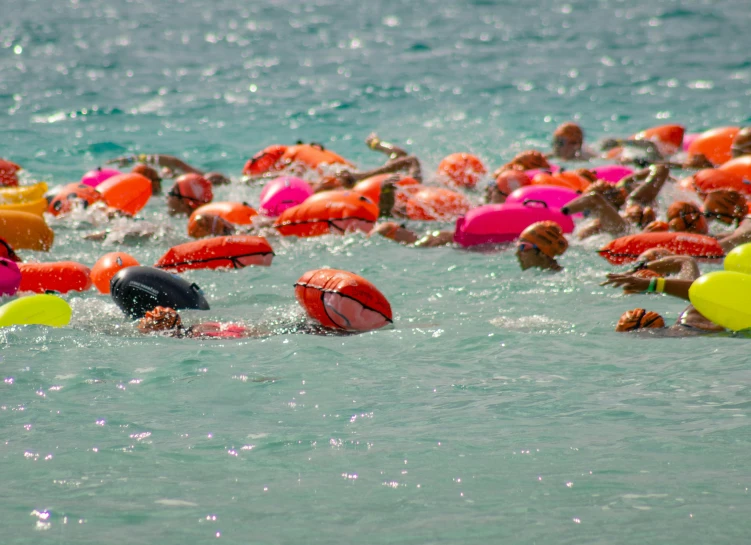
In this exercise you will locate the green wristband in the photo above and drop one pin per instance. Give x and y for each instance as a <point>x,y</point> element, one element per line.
<point>652,285</point>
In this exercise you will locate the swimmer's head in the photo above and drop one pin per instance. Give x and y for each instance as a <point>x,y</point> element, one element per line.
<point>567,140</point>
<point>160,319</point>
<point>742,143</point>
<point>206,225</point>
<point>395,232</point>
<point>152,174</point>
<point>725,205</point>
<point>657,226</point>
<point>639,215</point>
<point>527,160</point>
<point>8,170</point>
<point>589,175</point>
<point>638,318</point>
<point>188,193</point>
<point>616,196</point>
<point>264,161</point>
<point>506,183</point>
<point>539,244</point>
<point>686,217</point>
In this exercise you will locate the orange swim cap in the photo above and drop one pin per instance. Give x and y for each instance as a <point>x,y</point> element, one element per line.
<point>656,226</point>
<point>638,318</point>
<point>194,189</point>
<point>463,169</point>
<point>204,225</point>
<point>528,160</point>
<point>509,181</point>
<point>571,132</point>
<point>148,172</point>
<point>685,216</point>
<point>640,215</point>
<point>725,205</point>
<point>547,236</point>
<point>160,319</point>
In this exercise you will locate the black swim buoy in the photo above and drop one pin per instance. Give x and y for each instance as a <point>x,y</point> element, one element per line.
<point>137,290</point>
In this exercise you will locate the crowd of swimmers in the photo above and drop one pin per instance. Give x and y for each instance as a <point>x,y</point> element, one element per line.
<point>614,209</point>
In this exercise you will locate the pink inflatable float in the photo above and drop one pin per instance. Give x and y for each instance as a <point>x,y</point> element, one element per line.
<point>95,177</point>
<point>499,223</point>
<point>612,173</point>
<point>535,171</point>
<point>689,138</point>
<point>552,195</point>
<point>10,277</point>
<point>282,193</point>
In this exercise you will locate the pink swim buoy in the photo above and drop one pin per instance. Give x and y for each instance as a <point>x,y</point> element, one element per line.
<point>689,138</point>
<point>552,195</point>
<point>535,171</point>
<point>612,173</point>
<point>95,177</point>
<point>10,277</point>
<point>501,223</point>
<point>282,193</point>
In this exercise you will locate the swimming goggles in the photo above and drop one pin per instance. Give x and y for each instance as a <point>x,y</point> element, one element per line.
<point>524,246</point>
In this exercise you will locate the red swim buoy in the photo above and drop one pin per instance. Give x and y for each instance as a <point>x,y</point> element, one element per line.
<point>629,248</point>
<point>108,266</point>
<point>228,252</point>
<point>60,276</point>
<point>335,212</point>
<point>342,300</point>
<point>462,169</point>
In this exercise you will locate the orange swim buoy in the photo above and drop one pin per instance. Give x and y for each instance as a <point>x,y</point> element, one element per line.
<point>711,179</point>
<point>371,187</point>
<point>313,156</point>
<point>60,276</point>
<point>108,266</point>
<point>25,231</point>
<point>714,144</point>
<point>228,252</point>
<point>569,180</point>
<point>342,300</point>
<point>669,138</point>
<point>266,160</point>
<point>462,169</point>
<point>70,194</point>
<point>333,212</point>
<point>629,248</point>
<point>128,192</point>
<point>239,213</point>
<point>740,166</point>
<point>427,203</point>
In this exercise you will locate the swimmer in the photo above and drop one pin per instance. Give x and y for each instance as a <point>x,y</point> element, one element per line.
<point>167,322</point>
<point>652,181</point>
<point>189,192</point>
<point>504,184</point>
<point>208,225</point>
<point>150,173</point>
<point>170,165</point>
<point>568,143</point>
<point>539,245</point>
<point>606,217</point>
<point>726,206</point>
<point>525,160</point>
<point>741,145</point>
<point>686,217</point>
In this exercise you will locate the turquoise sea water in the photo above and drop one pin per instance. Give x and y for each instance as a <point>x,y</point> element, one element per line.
<point>500,408</point>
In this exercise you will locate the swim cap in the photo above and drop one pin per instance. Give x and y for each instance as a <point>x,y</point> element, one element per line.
<point>547,236</point>
<point>587,174</point>
<point>613,194</point>
<point>571,132</point>
<point>194,189</point>
<point>204,225</point>
<point>742,142</point>
<point>148,172</point>
<point>7,252</point>
<point>685,216</point>
<point>725,205</point>
<point>160,319</point>
<point>509,181</point>
<point>264,160</point>
<point>528,160</point>
<point>638,318</point>
<point>640,215</point>
<point>463,169</point>
<point>8,173</point>
<point>656,226</point>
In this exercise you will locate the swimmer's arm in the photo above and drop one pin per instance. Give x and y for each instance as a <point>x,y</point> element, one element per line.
<point>410,164</point>
<point>434,239</point>
<point>673,286</point>
<point>168,161</point>
<point>610,220</point>
<point>376,144</point>
<point>648,191</point>
<point>740,236</point>
<point>685,267</point>
<point>631,180</point>
<point>653,153</point>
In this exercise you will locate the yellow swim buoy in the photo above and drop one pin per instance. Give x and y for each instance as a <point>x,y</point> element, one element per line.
<point>25,231</point>
<point>24,193</point>
<point>739,259</point>
<point>37,310</point>
<point>724,297</point>
<point>36,207</point>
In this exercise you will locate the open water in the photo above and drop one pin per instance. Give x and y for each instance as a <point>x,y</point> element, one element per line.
<point>500,408</point>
